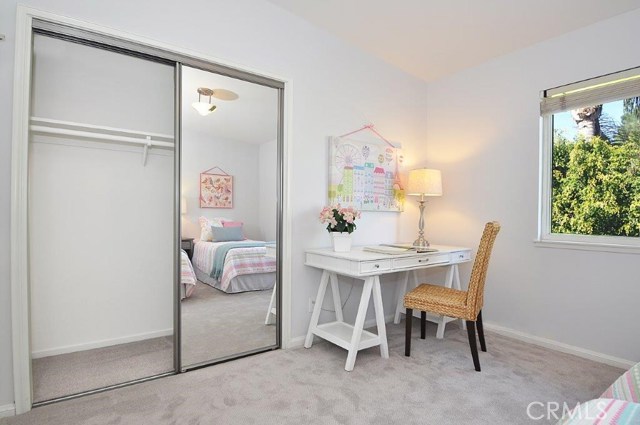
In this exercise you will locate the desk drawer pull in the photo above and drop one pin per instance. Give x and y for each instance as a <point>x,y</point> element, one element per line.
<point>460,257</point>
<point>424,261</point>
<point>375,266</point>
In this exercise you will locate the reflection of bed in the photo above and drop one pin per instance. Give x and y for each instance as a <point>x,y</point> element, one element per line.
<point>188,277</point>
<point>245,267</point>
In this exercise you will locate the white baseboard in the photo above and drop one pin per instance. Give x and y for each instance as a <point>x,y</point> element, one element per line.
<point>99,344</point>
<point>7,410</point>
<point>559,346</point>
<point>372,322</point>
<point>296,342</point>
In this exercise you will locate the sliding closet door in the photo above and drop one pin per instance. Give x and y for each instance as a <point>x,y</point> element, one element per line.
<point>229,190</point>
<point>101,218</point>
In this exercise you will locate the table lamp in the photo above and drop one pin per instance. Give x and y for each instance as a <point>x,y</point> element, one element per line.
<point>424,182</point>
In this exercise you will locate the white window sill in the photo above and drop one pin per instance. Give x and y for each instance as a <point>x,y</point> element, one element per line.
<point>587,246</point>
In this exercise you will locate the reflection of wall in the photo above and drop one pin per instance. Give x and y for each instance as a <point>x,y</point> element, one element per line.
<point>268,190</point>
<point>199,153</point>
<point>100,222</point>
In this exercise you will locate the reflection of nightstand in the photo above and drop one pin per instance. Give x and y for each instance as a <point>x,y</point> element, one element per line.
<point>187,245</point>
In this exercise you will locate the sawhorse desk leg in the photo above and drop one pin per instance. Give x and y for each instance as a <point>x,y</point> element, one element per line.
<point>272,305</point>
<point>452,281</point>
<point>371,287</point>
<point>322,289</point>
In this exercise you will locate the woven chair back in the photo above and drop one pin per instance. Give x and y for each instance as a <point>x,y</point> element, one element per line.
<point>475,293</point>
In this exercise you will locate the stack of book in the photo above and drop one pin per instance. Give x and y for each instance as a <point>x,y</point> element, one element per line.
<point>396,249</point>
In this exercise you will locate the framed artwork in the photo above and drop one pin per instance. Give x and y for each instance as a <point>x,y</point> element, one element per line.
<point>365,175</point>
<point>216,190</point>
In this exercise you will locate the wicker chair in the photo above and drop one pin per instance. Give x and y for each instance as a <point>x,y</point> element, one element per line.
<point>465,305</point>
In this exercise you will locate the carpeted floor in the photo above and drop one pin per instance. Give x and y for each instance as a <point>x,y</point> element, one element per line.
<point>72,373</point>
<point>436,385</point>
<point>215,325</point>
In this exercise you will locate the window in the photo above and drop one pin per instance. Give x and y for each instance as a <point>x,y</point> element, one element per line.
<point>590,162</point>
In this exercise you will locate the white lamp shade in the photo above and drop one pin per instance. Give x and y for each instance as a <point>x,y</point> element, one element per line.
<point>204,108</point>
<point>424,182</point>
<point>183,206</point>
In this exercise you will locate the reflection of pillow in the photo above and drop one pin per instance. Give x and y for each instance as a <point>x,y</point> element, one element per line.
<point>217,221</point>
<point>232,223</point>
<point>205,227</point>
<point>225,234</point>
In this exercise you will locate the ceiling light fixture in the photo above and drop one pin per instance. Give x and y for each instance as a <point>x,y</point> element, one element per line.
<point>204,108</point>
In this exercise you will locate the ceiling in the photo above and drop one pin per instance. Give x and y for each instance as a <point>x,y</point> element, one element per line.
<point>434,38</point>
<point>252,118</point>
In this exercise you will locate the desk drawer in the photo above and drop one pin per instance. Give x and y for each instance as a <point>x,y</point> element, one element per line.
<point>375,266</point>
<point>460,256</point>
<point>403,263</point>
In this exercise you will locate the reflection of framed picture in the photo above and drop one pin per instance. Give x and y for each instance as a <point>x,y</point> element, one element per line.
<point>216,190</point>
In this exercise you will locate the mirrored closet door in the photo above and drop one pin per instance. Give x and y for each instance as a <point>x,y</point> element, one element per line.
<point>101,217</point>
<point>229,197</point>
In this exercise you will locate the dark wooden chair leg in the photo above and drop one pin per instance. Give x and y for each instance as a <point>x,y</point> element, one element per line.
<point>471,330</point>
<point>423,324</point>
<point>483,345</point>
<point>407,336</point>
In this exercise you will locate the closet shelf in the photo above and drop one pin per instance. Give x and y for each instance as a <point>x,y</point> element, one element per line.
<point>47,126</point>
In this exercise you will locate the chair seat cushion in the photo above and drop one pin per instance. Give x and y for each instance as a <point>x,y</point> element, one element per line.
<point>439,300</point>
<point>626,387</point>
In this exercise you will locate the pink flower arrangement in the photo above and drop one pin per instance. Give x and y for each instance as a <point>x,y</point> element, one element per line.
<point>339,219</point>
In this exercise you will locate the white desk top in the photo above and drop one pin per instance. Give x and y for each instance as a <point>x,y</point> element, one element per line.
<point>358,254</point>
<point>360,263</point>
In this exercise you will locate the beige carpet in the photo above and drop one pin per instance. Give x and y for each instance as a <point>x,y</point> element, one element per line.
<point>66,374</point>
<point>437,385</point>
<point>215,325</point>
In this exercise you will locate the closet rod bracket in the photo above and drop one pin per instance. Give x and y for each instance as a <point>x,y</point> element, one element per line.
<point>145,152</point>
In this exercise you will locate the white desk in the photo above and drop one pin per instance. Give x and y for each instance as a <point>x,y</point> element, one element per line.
<point>271,311</point>
<point>368,266</point>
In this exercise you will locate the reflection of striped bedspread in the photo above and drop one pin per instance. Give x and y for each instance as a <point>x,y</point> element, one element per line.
<point>187,276</point>
<point>239,261</point>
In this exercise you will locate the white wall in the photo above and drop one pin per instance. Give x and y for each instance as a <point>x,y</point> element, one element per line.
<point>201,152</point>
<point>483,133</point>
<point>100,223</point>
<point>336,88</point>
<point>268,196</point>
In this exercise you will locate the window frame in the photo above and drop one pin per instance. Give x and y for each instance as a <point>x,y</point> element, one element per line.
<point>548,107</point>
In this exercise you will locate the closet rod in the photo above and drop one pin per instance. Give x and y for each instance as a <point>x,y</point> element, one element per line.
<point>97,136</point>
<point>48,122</point>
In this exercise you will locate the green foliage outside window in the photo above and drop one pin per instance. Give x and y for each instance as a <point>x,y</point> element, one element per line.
<point>596,181</point>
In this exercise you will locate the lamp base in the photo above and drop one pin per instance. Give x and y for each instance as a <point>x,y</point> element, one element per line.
<point>421,243</point>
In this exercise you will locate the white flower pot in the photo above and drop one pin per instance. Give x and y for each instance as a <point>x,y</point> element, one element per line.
<point>341,242</point>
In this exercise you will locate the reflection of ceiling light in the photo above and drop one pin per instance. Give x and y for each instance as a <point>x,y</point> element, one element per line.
<point>204,108</point>
<point>223,94</point>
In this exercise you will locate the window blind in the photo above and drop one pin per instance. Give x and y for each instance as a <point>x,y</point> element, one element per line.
<point>595,91</point>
